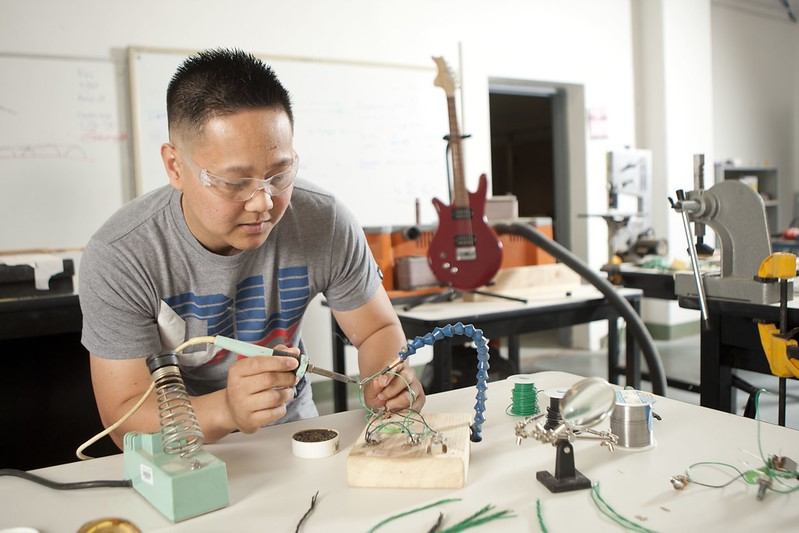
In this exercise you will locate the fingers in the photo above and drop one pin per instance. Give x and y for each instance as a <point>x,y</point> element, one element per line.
<point>261,409</point>
<point>250,366</point>
<point>284,348</point>
<point>413,399</point>
<point>258,389</point>
<point>400,391</point>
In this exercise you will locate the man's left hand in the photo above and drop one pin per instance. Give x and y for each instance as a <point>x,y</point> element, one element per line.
<point>396,390</point>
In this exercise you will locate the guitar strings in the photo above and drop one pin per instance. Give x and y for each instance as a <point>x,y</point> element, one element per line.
<point>462,223</point>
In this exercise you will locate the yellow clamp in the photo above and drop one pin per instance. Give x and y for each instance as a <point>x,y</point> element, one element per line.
<point>778,265</point>
<point>776,349</point>
<point>781,266</point>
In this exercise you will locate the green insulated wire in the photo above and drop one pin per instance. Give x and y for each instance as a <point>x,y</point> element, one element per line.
<point>484,515</point>
<point>479,518</point>
<point>540,513</point>
<point>524,398</point>
<point>605,508</point>
<point>412,511</point>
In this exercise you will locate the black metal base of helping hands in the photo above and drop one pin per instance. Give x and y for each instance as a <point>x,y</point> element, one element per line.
<point>566,478</point>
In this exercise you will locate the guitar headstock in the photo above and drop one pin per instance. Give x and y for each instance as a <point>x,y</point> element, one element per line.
<point>445,78</point>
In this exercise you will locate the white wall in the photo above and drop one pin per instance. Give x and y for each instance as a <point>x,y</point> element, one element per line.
<point>675,115</point>
<point>755,91</point>
<point>581,42</point>
<point>659,93</point>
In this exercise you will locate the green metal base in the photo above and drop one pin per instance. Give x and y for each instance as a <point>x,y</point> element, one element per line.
<point>179,488</point>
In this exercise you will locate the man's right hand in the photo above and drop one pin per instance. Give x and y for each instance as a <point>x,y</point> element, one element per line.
<point>258,389</point>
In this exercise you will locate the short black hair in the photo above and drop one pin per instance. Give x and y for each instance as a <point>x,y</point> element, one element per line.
<point>221,82</point>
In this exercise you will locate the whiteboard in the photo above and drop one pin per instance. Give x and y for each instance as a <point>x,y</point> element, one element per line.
<point>61,149</point>
<point>370,133</point>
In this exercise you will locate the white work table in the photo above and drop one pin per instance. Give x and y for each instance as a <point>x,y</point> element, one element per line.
<point>271,489</point>
<point>545,309</point>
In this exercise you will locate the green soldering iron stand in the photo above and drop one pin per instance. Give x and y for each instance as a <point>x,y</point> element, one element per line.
<point>170,469</point>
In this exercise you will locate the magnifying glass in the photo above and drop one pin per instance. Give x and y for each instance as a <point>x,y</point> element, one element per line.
<point>584,405</point>
<point>587,403</point>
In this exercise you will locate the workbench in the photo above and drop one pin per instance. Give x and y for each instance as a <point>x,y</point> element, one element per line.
<point>39,316</point>
<point>500,318</point>
<point>47,391</point>
<point>731,341</point>
<point>655,283</point>
<point>271,489</point>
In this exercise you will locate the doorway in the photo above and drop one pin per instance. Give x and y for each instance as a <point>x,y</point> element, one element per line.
<point>521,151</point>
<point>529,149</point>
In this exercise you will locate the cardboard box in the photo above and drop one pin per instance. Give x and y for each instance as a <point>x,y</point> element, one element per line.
<point>413,272</point>
<point>499,208</point>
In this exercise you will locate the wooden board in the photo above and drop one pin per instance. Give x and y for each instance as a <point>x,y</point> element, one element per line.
<point>396,464</point>
<point>533,281</point>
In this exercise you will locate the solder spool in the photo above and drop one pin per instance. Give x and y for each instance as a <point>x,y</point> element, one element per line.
<point>631,420</point>
<point>553,411</point>
<point>524,396</point>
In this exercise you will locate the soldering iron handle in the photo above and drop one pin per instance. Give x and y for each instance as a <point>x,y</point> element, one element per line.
<point>284,353</point>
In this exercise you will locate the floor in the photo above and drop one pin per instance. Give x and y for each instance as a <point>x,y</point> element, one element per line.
<point>542,351</point>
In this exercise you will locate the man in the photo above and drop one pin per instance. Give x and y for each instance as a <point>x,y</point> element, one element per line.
<point>234,246</point>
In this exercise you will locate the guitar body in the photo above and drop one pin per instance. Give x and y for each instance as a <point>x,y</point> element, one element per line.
<point>465,253</point>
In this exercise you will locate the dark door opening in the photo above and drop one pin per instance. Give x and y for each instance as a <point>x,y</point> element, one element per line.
<point>522,151</point>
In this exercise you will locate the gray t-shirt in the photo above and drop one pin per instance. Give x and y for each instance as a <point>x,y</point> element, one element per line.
<point>147,285</point>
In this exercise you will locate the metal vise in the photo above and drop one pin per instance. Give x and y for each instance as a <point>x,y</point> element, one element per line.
<point>737,214</point>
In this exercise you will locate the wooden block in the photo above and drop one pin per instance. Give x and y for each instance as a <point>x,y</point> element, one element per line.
<point>395,463</point>
<point>530,282</point>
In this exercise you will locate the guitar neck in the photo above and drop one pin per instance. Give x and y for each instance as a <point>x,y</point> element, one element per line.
<point>460,197</point>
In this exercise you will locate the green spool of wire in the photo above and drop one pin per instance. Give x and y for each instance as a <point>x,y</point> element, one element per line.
<point>524,397</point>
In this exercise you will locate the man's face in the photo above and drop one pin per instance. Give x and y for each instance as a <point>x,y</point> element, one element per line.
<point>256,143</point>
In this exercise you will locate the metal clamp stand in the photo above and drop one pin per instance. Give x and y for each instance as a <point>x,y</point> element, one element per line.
<point>567,477</point>
<point>616,223</point>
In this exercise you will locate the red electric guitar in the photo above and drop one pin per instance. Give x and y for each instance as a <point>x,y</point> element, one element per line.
<point>464,253</point>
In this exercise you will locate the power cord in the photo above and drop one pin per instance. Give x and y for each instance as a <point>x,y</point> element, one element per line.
<point>79,452</point>
<point>64,486</point>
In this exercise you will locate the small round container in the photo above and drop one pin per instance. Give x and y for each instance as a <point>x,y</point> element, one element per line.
<point>315,443</point>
